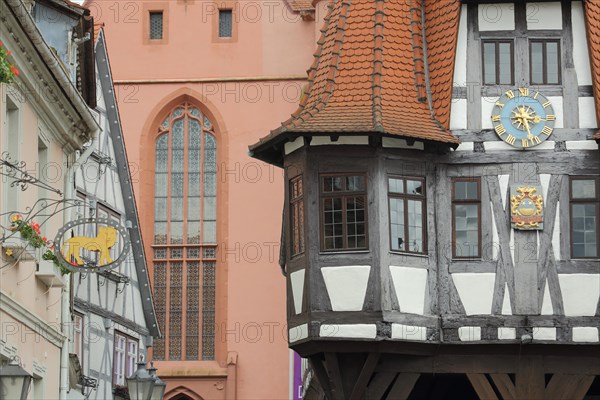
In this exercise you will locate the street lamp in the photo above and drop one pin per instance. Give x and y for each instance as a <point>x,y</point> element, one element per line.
<point>159,386</point>
<point>14,381</point>
<point>141,384</point>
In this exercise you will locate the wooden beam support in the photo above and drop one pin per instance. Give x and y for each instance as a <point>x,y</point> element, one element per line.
<point>530,381</point>
<point>403,385</point>
<point>505,386</point>
<point>568,387</point>
<point>482,387</point>
<point>335,376</point>
<point>322,376</point>
<point>365,375</point>
<point>379,385</point>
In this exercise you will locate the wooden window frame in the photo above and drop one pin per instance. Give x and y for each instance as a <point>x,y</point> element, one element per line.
<point>128,339</point>
<point>344,194</point>
<point>545,61</point>
<point>466,201</point>
<point>405,197</point>
<point>497,42</point>
<point>299,202</point>
<point>596,201</point>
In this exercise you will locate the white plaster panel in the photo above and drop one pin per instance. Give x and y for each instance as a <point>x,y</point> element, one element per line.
<point>581,56</point>
<point>503,181</point>
<point>585,334</point>
<point>476,291</point>
<point>543,333</point>
<point>410,285</point>
<point>365,331</point>
<point>298,333</point>
<point>557,105</point>
<point>496,17</point>
<point>506,308</point>
<point>294,145</point>
<point>460,63</point>
<point>587,113</point>
<point>487,105</point>
<point>326,140</point>
<point>547,308</point>
<point>544,15</point>
<point>346,286</point>
<point>545,183</point>
<point>580,293</point>
<point>297,282</point>
<point>498,145</point>
<point>581,145</point>
<point>401,144</point>
<point>469,333</point>
<point>465,146</point>
<point>556,233</point>
<point>458,114</point>
<point>409,332</point>
<point>507,333</point>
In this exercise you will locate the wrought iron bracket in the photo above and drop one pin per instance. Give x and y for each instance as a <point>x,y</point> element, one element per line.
<point>17,173</point>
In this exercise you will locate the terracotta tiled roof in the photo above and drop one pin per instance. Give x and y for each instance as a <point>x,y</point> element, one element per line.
<point>592,18</point>
<point>441,27</point>
<point>300,5</point>
<point>369,75</point>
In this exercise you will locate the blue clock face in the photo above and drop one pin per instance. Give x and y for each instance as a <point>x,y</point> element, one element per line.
<point>523,118</point>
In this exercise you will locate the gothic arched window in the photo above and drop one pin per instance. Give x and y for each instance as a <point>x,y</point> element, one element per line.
<point>185,235</point>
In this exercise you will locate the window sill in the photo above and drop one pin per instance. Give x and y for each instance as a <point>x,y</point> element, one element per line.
<point>339,252</point>
<point>405,253</point>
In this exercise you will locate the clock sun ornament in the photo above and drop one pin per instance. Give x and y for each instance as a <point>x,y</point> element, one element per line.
<point>523,118</point>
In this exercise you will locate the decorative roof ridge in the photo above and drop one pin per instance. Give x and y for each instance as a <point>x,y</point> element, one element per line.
<point>378,64</point>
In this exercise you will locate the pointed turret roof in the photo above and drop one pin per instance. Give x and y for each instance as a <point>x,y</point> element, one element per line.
<point>375,64</point>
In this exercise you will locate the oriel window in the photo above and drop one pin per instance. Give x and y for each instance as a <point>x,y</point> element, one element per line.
<point>585,217</point>
<point>466,218</point>
<point>343,212</point>
<point>407,214</point>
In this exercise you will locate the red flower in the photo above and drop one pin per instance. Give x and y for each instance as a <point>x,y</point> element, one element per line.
<point>14,70</point>
<point>8,52</point>
<point>45,239</point>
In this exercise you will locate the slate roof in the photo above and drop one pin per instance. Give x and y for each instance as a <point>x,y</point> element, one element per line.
<point>369,72</point>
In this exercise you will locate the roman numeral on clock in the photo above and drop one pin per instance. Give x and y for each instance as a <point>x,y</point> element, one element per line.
<point>536,140</point>
<point>510,94</point>
<point>500,130</point>
<point>525,142</point>
<point>546,104</point>
<point>550,117</point>
<point>524,91</point>
<point>547,131</point>
<point>510,139</point>
<point>496,118</point>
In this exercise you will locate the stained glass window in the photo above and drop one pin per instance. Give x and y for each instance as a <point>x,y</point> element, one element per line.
<point>185,235</point>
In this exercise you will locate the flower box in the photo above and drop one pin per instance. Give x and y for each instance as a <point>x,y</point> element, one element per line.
<point>50,274</point>
<point>19,248</point>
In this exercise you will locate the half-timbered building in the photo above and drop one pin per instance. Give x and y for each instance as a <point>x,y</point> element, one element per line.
<point>441,233</point>
<point>113,319</point>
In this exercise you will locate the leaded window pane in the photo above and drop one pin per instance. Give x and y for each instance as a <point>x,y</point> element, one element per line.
<point>585,230</point>
<point>225,23</point>
<point>489,63</point>
<point>466,222</point>
<point>397,224</point>
<point>505,63</point>
<point>583,188</point>
<point>156,25</point>
<point>185,142</point>
<point>552,63</point>
<point>537,63</point>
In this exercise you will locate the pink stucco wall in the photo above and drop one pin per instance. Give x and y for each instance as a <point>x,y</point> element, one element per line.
<point>248,85</point>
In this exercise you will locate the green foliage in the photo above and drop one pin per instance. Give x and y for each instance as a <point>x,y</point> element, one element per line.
<point>7,70</point>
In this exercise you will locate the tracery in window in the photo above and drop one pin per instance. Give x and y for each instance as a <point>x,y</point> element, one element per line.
<point>185,234</point>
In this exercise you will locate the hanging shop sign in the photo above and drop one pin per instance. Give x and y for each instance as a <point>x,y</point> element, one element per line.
<point>526,207</point>
<point>92,245</point>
